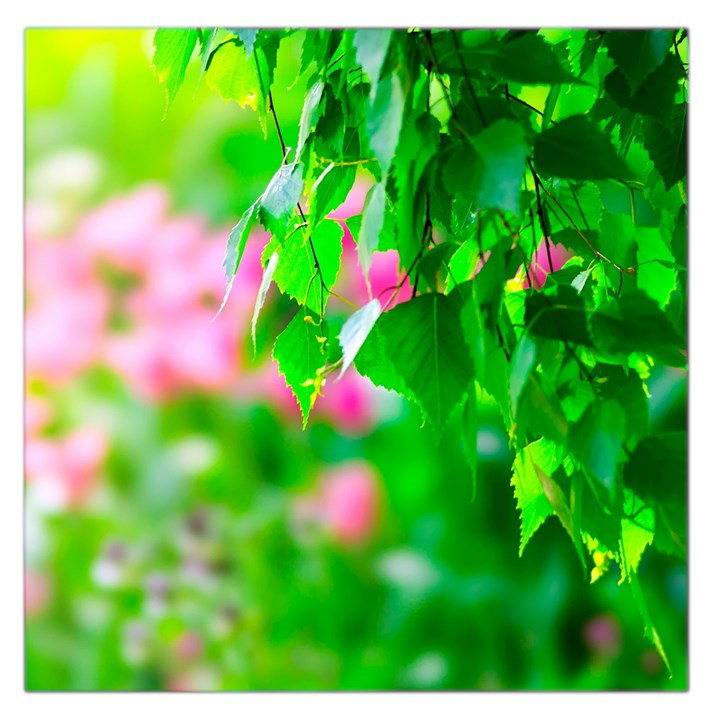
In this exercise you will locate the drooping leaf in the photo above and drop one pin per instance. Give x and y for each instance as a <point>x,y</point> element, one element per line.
<point>523,361</point>
<point>637,52</point>
<point>262,292</point>
<point>596,440</point>
<point>297,275</point>
<point>384,120</point>
<point>528,490</point>
<point>234,75</point>
<point>356,329</point>
<point>425,343</point>
<point>666,144</point>
<point>371,47</point>
<point>173,50</point>
<point>502,150</point>
<point>577,149</point>
<point>373,216</point>
<point>635,323</point>
<point>330,190</point>
<point>284,190</point>
<point>309,115</point>
<point>530,60</point>
<point>298,352</point>
<point>235,249</point>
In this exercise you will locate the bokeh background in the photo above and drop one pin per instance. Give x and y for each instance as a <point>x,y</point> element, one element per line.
<point>182,532</point>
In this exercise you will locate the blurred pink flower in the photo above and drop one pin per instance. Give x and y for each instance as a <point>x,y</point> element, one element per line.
<point>37,592</point>
<point>348,403</point>
<point>540,265</point>
<point>189,646</point>
<point>122,230</point>
<point>603,636</point>
<point>37,415</point>
<point>349,500</point>
<point>71,464</point>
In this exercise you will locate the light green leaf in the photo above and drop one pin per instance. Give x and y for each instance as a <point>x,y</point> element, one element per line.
<point>371,47</point>
<point>373,216</point>
<point>262,292</point>
<point>234,75</point>
<point>235,249</point>
<point>296,274</point>
<point>384,120</point>
<point>173,49</point>
<point>330,190</point>
<point>283,193</point>
<point>355,331</point>
<point>523,361</point>
<point>298,352</point>
<point>309,115</point>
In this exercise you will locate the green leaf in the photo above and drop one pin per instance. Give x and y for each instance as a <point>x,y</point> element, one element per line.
<point>330,191</point>
<point>372,361</point>
<point>298,352</point>
<point>309,115</point>
<point>173,49</point>
<point>296,274</point>
<point>576,148</point>
<point>235,249</point>
<point>373,216</point>
<point>206,44</point>
<point>371,48</point>
<point>523,360</point>
<point>283,193</point>
<point>637,52</point>
<point>635,323</point>
<point>655,96</point>
<point>557,312</point>
<point>596,440</point>
<point>528,490</point>
<point>262,292</point>
<point>384,120</point>
<point>531,61</point>
<point>425,343</point>
<point>470,434</point>
<point>666,144</point>
<point>355,331</point>
<point>502,150</point>
<point>234,76</point>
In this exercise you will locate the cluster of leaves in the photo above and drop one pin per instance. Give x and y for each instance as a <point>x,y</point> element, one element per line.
<point>483,146</point>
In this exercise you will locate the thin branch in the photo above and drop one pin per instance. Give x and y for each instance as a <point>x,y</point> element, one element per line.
<point>473,96</point>
<point>541,216</point>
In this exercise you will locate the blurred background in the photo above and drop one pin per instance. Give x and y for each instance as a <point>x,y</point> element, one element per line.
<point>181,531</point>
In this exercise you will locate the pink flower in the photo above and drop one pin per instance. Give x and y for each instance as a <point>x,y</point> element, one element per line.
<point>348,403</point>
<point>37,592</point>
<point>349,500</point>
<point>69,466</point>
<point>603,636</point>
<point>540,265</point>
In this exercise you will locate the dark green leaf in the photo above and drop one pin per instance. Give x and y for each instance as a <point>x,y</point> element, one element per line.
<point>666,144</point>
<point>425,343</point>
<point>635,323</point>
<point>637,52</point>
<point>531,61</point>
<point>576,148</point>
